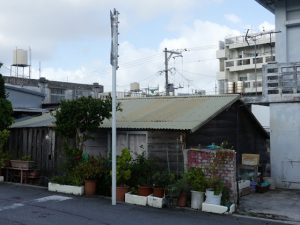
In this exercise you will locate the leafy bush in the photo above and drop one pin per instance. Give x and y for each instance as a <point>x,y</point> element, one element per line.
<point>216,184</point>
<point>162,179</point>
<point>196,179</point>
<point>142,171</point>
<point>89,169</point>
<point>123,167</point>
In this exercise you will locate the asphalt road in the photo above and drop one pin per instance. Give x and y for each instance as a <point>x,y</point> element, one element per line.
<point>23,205</point>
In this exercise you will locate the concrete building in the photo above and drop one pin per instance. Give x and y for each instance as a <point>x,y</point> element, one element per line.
<point>25,102</point>
<point>240,62</point>
<point>55,91</point>
<point>282,90</point>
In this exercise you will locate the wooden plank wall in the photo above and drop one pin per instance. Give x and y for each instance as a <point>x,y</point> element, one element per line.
<point>235,126</point>
<point>38,143</point>
<point>166,147</point>
<point>98,144</point>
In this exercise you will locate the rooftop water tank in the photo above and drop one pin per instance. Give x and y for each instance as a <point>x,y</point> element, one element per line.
<point>20,58</point>
<point>135,86</point>
<point>239,88</point>
<point>230,87</point>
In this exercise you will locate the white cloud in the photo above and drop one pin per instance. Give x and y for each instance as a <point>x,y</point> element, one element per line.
<point>232,18</point>
<point>46,25</point>
<point>198,70</point>
<point>265,26</point>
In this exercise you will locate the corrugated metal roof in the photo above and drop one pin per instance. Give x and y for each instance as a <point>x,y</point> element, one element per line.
<point>179,113</point>
<point>45,120</point>
<point>176,113</point>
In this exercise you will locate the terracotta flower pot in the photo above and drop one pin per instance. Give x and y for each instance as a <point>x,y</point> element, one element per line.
<point>89,187</point>
<point>120,195</point>
<point>158,192</point>
<point>145,190</point>
<point>182,199</point>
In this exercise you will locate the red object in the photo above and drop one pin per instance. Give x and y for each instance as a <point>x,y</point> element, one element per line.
<point>145,190</point>
<point>120,196</point>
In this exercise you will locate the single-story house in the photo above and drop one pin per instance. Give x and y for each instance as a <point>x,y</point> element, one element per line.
<point>159,126</point>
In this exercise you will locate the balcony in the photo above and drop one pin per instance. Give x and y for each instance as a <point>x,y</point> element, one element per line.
<point>247,63</point>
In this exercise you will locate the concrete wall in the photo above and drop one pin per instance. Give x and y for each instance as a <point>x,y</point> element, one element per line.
<point>287,20</point>
<point>285,144</point>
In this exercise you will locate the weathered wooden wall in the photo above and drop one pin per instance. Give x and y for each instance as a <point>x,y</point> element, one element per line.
<point>235,126</point>
<point>166,146</point>
<point>41,144</point>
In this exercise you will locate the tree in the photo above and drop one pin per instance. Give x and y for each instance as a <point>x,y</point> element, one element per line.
<point>6,112</point>
<point>77,117</point>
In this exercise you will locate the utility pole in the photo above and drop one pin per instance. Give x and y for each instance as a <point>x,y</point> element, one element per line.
<point>168,55</point>
<point>114,62</point>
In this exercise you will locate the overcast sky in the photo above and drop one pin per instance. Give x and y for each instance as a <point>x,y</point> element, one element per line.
<point>71,38</point>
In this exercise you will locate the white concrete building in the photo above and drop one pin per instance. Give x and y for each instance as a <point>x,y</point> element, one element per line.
<point>241,59</point>
<point>282,91</point>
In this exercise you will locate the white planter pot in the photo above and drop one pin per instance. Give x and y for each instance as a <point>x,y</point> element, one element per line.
<point>219,209</point>
<point>135,199</point>
<point>155,201</point>
<point>196,199</point>
<point>1,178</point>
<point>211,198</point>
<point>67,189</point>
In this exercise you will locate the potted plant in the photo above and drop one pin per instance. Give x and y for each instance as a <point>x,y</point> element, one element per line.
<point>142,172</point>
<point>3,160</point>
<point>160,181</point>
<point>90,170</point>
<point>70,183</point>
<point>197,182</point>
<point>181,187</point>
<point>214,190</point>
<point>123,174</point>
<point>24,163</point>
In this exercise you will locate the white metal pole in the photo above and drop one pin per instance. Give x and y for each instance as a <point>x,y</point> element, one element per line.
<point>114,134</point>
<point>114,62</point>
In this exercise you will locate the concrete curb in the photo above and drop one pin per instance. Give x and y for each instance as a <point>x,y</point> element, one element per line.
<point>266,219</point>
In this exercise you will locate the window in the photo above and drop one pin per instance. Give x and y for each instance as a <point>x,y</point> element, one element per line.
<point>258,60</point>
<point>287,69</point>
<point>229,63</point>
<point>57,95</point>
<point>135,141</point>
<point>242,78</point>
<point>272,70</point>
<point>247,84</point>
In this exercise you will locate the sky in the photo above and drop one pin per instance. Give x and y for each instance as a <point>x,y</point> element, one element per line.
<point>71,39</point>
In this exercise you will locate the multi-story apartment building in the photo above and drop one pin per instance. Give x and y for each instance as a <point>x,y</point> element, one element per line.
<point>55,91</point>
<point>240,62</point>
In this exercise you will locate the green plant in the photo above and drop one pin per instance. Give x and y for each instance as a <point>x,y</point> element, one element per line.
<point>6,109</point>
<point>68,179</point>
<point>142,171</point>
<point>181,185</point>
<point>162,179</point>
<point>4,157</point>
<point>77,117</point>
<point>225,200</point>
<point>89,169</point>
<point>73,157</point>
<point>123,167</point>
<point>216,184</point>
<point>196,179</point>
